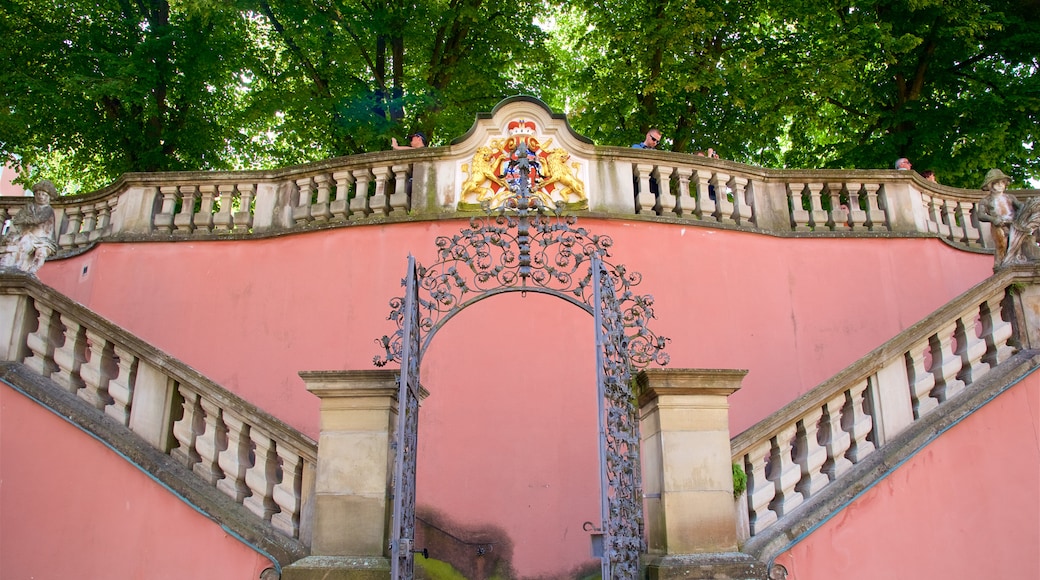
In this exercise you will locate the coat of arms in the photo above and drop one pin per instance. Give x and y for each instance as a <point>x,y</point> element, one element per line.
<point>495,170</point>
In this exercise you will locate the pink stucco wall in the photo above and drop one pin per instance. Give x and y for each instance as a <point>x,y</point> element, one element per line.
<point>70,507</point>
<point>507,436</point>
<point>251,314</point>
<point>966,506</point>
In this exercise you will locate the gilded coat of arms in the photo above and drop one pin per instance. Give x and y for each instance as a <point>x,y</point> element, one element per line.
<point>494,171</point>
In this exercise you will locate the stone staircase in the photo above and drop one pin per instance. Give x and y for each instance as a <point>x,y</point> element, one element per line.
<point>254,475</point>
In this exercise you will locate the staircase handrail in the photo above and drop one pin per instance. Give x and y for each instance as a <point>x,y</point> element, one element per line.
<point>800,450</point>
<point>251,456</point>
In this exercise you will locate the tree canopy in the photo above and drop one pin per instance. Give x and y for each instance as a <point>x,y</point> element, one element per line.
<point>97,88</point>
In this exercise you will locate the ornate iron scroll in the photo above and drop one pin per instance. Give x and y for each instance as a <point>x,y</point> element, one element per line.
<point>406,436</point>
<point>620,471</point>
<point>524,246</point>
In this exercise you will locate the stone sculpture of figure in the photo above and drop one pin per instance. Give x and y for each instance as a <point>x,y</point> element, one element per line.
<point>998,207</point>
<point>1014,223</point>
<point>31,237</point>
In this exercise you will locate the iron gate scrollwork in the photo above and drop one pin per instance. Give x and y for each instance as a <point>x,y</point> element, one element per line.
<point>524,246</point>
<point>406,434</point>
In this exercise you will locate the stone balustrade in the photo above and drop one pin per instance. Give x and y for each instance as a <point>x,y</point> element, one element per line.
<point>424,184</point>
<point>249,455</point>
<point>806,446</point>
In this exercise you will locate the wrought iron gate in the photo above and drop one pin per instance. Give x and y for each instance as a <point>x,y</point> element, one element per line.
<point>406,434</point>
<point>524,246</point>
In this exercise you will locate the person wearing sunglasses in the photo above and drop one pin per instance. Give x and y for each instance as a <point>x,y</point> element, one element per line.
<point>653,137</point>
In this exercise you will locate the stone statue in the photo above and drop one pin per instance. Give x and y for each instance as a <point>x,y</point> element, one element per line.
<point>30,240</point>
<point>1014,222</point>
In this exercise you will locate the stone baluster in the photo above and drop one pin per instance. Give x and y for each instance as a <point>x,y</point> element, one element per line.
<point>234,460</point>
<point>75,217</point>
<point>288,493</point>
<point>89,223</point>
<point>320,210</point>
<point>946,363</point>
<point>104,219</point>
<point>724,196</point>
<point>877,220</point>
<point>204,218</point>
<point>857,215</point>
<point>184,220</point>
<point>210,442</point>
<point>836,440</point>
<point>948,223</point>
<point>222,219</point>
<point>705,206</point>
<point>971,347</point>
<point>996,331</point>
<point>666,197</point>
<point>163,221</point>
<point>243,218</point>
<point>784,472</point>
<point>187,429</point>
<point>121,385</point>
<point>818,216</point>
<point>971,234</point>
<point>741,192</point>
<point>262,476</point>
<point>399,199</point>
<point>359,203</point>
<point>921,379</point>
<point>645,198</point>
<point>811,455</point>
<point>380,202</point>
<point>69,354</point>
<point>684,205</point>
<point>930,212</point>
<point>341,206</point>
<point>839,213</point>
<point>42,340</point>
<point>302,212</point>
<point>858,423</point>
<point>760,489</point>
<point>799,216</point>
<point>94,370</point>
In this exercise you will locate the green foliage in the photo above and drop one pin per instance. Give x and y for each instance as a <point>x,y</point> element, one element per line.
<point>102,87</point>
<point>739,481</point>
<point>434,569</point>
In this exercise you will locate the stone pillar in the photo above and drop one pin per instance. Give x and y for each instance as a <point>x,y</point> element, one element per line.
<point>1025,304</point>
<point>691,515</point>
<point>352,509</point>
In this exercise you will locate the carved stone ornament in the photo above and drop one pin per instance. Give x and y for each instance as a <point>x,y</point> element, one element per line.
<point>30,240</point>
<point>493,171</point>
<point>1013,223</point>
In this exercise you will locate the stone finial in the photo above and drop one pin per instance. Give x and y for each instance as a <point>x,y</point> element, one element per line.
<point>30,241</point>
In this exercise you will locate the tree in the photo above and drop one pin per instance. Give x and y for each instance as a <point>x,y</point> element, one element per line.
<point>104,87</point>
<point>952,84</point>
<point>347,75</point>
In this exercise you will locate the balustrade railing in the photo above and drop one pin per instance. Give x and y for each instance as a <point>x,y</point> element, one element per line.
<point>809,444</point>
<point>249,455</point>
<point>409,184</point>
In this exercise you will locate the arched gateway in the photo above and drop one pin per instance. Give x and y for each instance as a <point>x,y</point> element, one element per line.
<point>523,245</point>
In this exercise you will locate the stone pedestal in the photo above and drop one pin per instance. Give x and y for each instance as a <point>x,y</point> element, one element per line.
<point>687,464</point>
<point>352,509</point>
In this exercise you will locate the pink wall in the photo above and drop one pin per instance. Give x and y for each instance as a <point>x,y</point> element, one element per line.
<point>966,506</point>
<point>72,508</point>
<point>251,314</point>
<point>507,436</point>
